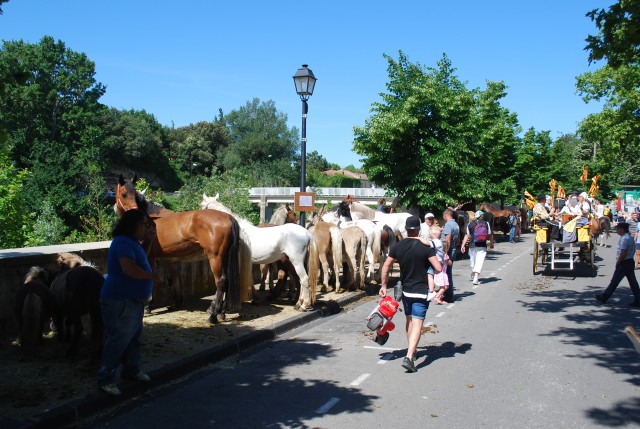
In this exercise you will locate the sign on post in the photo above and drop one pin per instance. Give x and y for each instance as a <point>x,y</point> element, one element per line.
<point>304,201</point>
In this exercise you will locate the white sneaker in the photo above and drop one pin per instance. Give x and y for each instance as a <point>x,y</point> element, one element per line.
<point>476,282</point>
<point>111,389</point>
<point>431,295</point>
<point>140,376</point>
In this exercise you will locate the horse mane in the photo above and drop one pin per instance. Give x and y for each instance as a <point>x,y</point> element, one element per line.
<point>147,205</point>
<point>279,217</point>
<point>369,213</point>
<point>71,260</point>
<point>36,274</point>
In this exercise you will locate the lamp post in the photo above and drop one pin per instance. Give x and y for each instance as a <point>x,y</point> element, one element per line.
<point>305,82</point>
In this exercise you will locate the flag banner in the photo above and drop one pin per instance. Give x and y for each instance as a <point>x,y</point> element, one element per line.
<point>585,174</point>
<point>561,192</point>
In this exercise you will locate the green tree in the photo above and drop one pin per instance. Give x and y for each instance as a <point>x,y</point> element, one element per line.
<point>258,134</point>
<point>618,38</point>
<point>430,138</point>
<point>195,147</point>
<point>532,163</point>
<point>13,214</point>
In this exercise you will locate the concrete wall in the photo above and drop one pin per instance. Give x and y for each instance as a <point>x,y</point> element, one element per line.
<point>182,280</point>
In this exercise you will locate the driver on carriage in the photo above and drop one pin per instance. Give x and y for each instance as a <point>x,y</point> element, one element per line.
<point>544,216</point>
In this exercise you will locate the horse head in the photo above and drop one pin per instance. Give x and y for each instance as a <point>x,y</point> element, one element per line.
<point>292,216</point>
<point>344,211</point>
<point>126,195</point>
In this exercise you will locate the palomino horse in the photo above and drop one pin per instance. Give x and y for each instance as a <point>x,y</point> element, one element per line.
<point>605,228</point>
<point>395,220</point>
<point>497,218</point>
<point>33,305</point>
<point>196,235</point>
<point>274,244</point>
<point>329,239</point>
<point>75,291</point>
<point>342,217</point>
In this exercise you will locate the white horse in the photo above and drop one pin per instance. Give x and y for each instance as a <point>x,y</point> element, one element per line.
<point>396,221</point>
<point>275,244</point>
<point>341,218</point>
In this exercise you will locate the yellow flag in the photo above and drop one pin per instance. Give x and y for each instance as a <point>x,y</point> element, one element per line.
<point>561,192</point>
<point>585,174</point>
<point>552,185</point>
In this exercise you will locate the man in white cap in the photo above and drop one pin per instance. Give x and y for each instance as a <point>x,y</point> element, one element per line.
<point>478,234</point>
<point>429,221</point>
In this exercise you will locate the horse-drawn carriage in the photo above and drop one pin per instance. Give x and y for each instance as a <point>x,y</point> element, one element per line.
<point>562,256</point>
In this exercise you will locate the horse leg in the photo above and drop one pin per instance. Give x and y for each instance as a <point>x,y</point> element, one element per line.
<point>265,269</point>
<point>304,302</point>
<point>75,323</point>
<point>220,278</point>
<point>324,262</point>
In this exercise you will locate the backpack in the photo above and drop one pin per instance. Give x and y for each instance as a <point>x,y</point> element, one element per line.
<point>513,220</point>
<point>480,233</point>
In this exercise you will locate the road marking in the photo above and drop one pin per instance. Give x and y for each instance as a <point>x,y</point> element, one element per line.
<point>326,407</point>
<point>359,380</point>
<point>442,313</point>
<point>380,348</point>
<point>450,306</point>
<point>386,358</point>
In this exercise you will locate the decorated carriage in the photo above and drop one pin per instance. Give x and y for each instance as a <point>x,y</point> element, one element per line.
<point>563,256</point>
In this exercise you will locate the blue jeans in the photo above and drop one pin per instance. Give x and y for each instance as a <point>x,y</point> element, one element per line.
<point>453,257</point>
<point>123,322</point>
<point>624,269</point>
<point>415,307</point>
<point>512,233</point>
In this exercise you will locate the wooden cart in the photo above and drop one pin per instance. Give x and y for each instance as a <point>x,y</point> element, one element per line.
<point>562,256</point>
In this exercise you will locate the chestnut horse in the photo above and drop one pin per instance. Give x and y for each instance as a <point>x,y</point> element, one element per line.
<point>196,235</point>
<point>497,218</point>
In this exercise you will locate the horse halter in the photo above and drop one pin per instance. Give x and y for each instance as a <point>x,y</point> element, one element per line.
<point>119,200</point>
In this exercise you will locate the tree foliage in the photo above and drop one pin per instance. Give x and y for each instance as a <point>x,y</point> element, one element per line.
<point>433,141</point>
<point>618,38</point>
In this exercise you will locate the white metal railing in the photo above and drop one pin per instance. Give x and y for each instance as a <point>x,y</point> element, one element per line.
<point>325,192</point>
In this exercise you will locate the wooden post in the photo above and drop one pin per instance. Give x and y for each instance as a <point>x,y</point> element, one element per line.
<point>263,208</point>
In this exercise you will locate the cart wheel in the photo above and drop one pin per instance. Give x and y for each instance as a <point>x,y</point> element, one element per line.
<point>535,258</point>
<point>374,322</point>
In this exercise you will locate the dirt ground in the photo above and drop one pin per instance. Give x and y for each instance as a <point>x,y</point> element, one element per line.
<point>35,384</point>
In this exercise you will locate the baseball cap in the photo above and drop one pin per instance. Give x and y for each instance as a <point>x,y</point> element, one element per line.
<point>412,222</point>
<point>429,215</point>
<point>479,213</point>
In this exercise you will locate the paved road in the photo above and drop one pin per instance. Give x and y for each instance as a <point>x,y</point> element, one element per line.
<point>515,351</point>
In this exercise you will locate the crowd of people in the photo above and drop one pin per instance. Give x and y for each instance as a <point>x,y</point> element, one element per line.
<point>427,258</point>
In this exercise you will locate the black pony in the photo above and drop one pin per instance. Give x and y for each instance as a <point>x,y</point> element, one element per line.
<point>33,306</point>
<point>75,291</point>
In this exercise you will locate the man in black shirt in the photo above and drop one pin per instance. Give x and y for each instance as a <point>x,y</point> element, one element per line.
<point>415,259</point>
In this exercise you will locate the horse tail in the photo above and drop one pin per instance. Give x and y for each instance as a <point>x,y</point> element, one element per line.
<point>361,256</point>
<point>245,267</point>
<point>314,258</point>
<point>233,292</point>
<point>392,236</point>
<point>336,250</point>
<point>32,321</point>
<point>376,246</point>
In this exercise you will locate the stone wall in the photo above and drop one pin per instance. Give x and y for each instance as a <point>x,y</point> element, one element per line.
<point>181,280</point>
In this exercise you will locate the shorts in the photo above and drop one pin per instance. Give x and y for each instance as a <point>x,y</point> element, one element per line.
<point>430,270</point>
<point>415,307</point>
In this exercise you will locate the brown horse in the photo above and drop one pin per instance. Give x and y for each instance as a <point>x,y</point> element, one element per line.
<point>198,234</point>
<point>497,219</point>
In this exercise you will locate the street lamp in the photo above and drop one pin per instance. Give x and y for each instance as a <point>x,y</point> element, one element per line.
<point>305,82</point>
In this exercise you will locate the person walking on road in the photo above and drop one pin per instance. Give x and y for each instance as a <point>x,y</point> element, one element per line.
<point>477,235</point>
<point>415,259</point>
<point>624,267</point>
<point>126,290</point>
<point>451,233</point>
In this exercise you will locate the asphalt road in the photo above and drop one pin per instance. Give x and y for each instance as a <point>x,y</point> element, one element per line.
<point>516,351</point>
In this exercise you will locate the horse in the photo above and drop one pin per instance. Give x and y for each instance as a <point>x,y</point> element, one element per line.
<point>395,220</point>
<point>284,214</point>
<point>342,217</point>
<point>354,245</point>
<point>33,306</point>
<point>496,218</point>
<point>274,244</point>
<point>329,240</point>
<point>75,291</point>
<point>388,239</point>
<point>603,232</point>
<point>196,235</point>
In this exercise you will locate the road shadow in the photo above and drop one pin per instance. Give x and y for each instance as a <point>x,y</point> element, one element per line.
<point>623,414</point>
<point>432,352</point>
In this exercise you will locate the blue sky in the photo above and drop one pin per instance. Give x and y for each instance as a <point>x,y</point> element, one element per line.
<point>182,61</point>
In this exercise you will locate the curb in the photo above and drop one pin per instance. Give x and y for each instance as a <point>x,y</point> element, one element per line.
<point>71,414</point>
